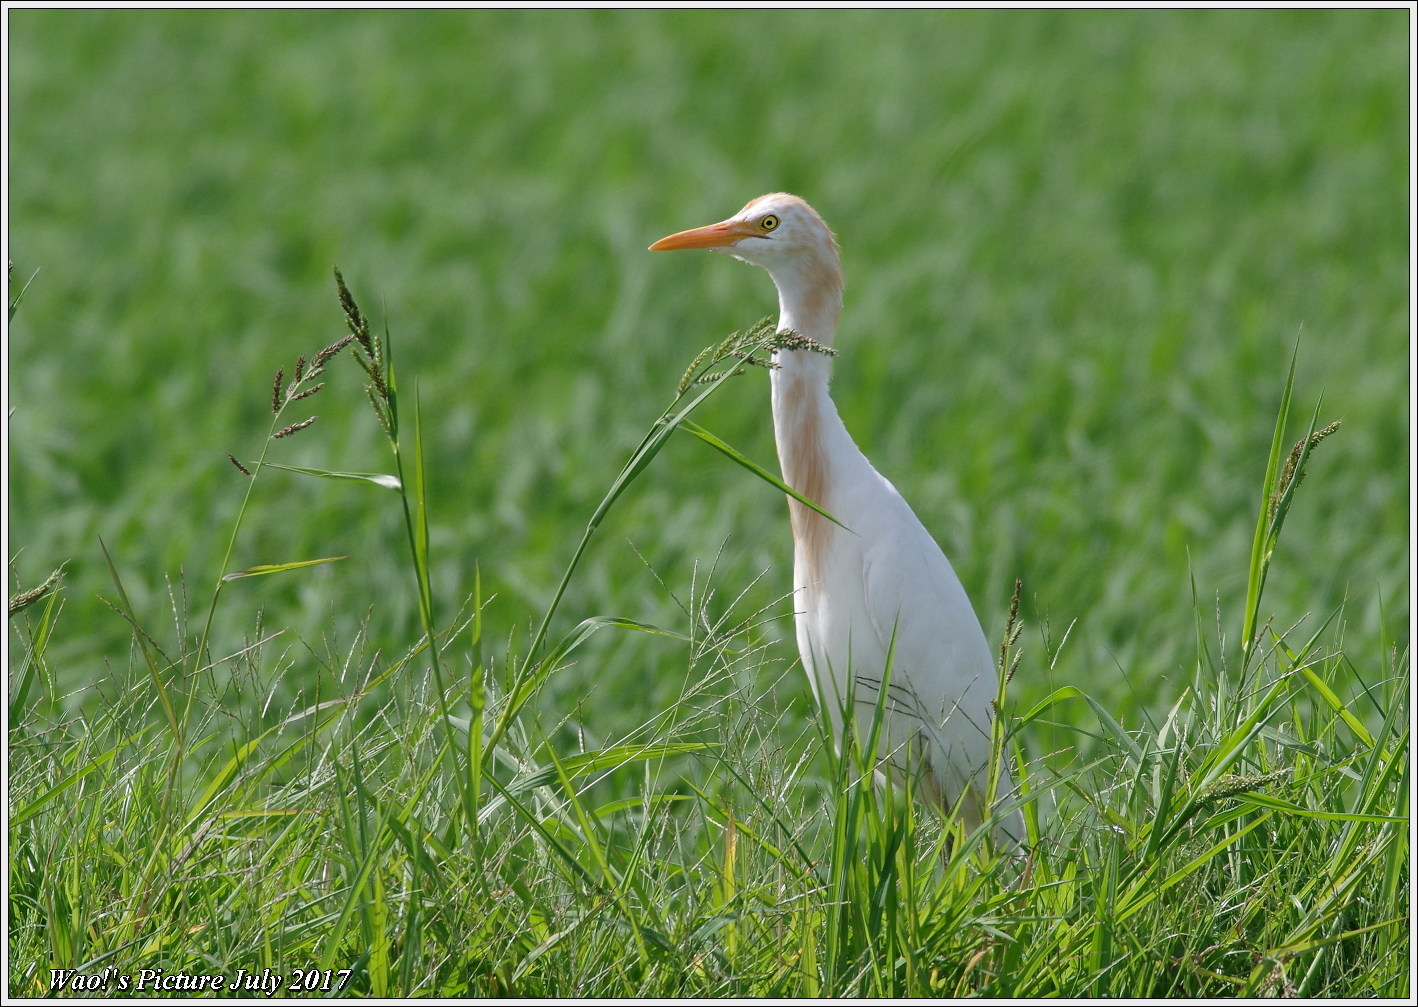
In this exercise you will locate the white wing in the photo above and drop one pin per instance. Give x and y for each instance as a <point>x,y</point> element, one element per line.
<point>942,672</point>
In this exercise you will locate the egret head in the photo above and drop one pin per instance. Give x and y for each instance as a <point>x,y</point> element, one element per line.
<point>772,230</point>
<point>785,236</point>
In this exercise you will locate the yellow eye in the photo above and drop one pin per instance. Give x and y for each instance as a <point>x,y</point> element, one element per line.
<point>768,223</point>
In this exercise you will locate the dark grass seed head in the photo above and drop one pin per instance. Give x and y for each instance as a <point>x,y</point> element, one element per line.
<point>1288,474</point>
<point>371,359</point>
<point>379,407</point>
<point>323,357</point>
<point>354,318</point>
<point>1012,629</point>
<point>748,348</point>
<point>242,468</point>
<point>293,428</point>
<point>790,340</point>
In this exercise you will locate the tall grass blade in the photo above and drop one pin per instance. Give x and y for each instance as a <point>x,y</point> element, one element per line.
<point>1260,552</point>
<point>738,458</point>
<point>145,646</point>
<point>265,569</point>
<point>377,478</point>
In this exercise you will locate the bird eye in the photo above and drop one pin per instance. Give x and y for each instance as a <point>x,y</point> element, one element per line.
<point>768,223</point>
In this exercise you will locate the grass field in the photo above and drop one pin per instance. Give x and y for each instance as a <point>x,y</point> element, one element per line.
<point>1080,247</point>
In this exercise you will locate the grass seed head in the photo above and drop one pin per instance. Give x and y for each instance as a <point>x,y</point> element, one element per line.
<point>372,359</point>
<point>354,318</point>
<point>1237,783</point>
<point>728,372</point>
<point>748,347</point>
<point>693,369</point>
<point>1288,474</point>
<point>1012,628</point>
<point>293,428</point>
<point>26,598</point>
<point>379,407</point>
<point>790,340</point>
<point>318,364</point>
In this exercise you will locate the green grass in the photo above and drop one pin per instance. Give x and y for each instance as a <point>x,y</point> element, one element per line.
<point>1080,249</point>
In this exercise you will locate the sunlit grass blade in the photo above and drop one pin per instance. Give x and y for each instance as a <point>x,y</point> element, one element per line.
<point>146,646</point>
<point>532,677</point>
<point>35,664</point>
<point>738,458</point>
<point>22,814</point>
<point>1115,731</point>
<point>1333,701</point>
<point>573,767</point>
<point>15,301</point>
<point>756,339</point>
<point>1289,807</point>
<point>1260,545</point>
<point>377,478</point>
<point>587,763</point>
<point>225,775</point>
<point>265,569</point>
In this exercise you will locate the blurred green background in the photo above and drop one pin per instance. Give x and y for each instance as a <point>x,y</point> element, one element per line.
<point>1079,248</point>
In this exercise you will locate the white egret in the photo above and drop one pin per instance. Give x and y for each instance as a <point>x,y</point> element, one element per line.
<point>880,585</point>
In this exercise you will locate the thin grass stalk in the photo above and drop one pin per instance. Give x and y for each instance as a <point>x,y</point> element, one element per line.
<point>745,347</point>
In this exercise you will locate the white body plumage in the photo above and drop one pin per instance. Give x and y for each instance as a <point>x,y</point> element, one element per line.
<point>878,589</point>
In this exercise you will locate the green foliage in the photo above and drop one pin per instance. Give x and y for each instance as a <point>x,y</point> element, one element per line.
<point>477,757</point>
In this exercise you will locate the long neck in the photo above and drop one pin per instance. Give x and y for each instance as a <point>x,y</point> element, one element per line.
<point>810,297</point>
<point>805,420</point>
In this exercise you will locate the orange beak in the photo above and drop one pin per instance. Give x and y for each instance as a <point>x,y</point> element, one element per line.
<point>720,235</point>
